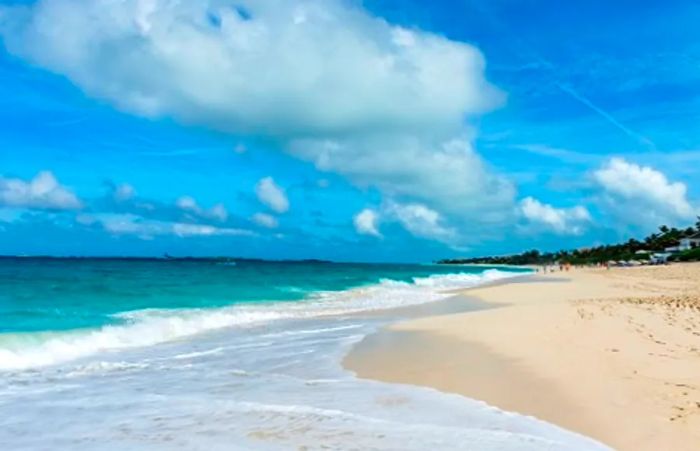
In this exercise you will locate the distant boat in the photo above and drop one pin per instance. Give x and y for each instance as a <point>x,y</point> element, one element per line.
<point>167,256</point>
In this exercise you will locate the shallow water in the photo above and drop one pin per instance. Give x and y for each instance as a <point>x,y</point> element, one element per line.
<point>261,375</point>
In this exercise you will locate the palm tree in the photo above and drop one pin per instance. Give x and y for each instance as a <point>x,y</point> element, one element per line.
<point>664,229</point>
<point>697,224</point>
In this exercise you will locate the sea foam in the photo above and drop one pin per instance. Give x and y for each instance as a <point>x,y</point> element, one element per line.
<point>153,326</point>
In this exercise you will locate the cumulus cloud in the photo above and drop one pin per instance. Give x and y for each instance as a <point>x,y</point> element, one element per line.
<point>422,221</point>
<point>124,192</point>
<point>265,220</point>
<point>643,195</point>
<point>366,223</point>
<point>447,174</point>
<point>563,221</point>
<point>129,224</point>
<point>270,194</point>
<point>189,204</point>
<point>186,203</point>
<point>42,192</point>
<point>380,104</point>
<point>337,68</point>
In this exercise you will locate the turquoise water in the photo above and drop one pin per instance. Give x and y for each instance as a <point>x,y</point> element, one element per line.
<point>169,355</point>
<point>57,295</point>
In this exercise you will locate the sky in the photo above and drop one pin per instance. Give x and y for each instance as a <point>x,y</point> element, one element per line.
<point>375,130</point>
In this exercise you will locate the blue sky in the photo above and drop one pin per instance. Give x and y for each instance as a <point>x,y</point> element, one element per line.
<point>382,130</point>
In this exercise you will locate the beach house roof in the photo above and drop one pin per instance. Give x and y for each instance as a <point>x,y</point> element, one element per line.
<point>695,236</point>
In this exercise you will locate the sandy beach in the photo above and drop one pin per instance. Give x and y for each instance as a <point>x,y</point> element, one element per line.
<point>611,354</point>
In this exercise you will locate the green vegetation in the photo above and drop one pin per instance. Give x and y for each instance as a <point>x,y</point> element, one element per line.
<point>692,255</point>
<point>631,250</point>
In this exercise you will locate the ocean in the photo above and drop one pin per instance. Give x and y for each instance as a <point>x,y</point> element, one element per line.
<point>99,354</point>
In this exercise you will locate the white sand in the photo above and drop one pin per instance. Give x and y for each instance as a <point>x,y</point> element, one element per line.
<point>614,354</point>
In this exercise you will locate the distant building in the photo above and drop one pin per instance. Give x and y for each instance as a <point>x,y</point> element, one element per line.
<point>689,242</point>
<point>686,244</point>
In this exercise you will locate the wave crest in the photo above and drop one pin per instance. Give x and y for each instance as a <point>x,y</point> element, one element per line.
<point>152,326</point>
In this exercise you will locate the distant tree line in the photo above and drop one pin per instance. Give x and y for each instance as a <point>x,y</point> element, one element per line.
<point>656,242</point>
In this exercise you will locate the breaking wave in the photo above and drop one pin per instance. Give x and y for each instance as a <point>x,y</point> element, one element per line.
<point>149,327</point>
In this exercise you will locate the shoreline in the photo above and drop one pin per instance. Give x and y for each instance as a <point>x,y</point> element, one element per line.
<point>276,384</point>
<point>613,355</point>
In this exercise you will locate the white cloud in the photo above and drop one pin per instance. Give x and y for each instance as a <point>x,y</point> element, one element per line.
<point>422,221</point>
<point>189,204</point>
<point>41,192</point>
<point>339,70</point>
<point>643,195</point>
<point>448,175</point>
<point>128,224</point>
<point>563,221</point>
<point>184,230</point>
<point>124,192</point>
<point>334,85</point>
<point>366,223</point>
<point>265,220</point>
<point>270,194</point>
